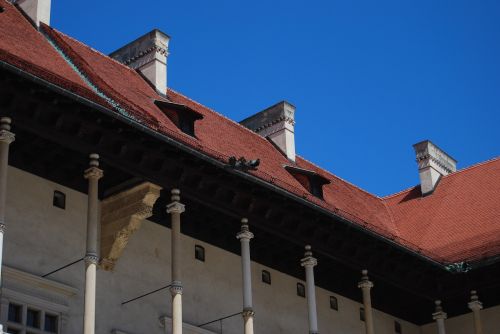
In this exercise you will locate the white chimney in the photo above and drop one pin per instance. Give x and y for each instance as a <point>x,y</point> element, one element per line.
<point>277,124</point>
<point>37,10</point>
<point>433,163</point>
<point>148,54</point>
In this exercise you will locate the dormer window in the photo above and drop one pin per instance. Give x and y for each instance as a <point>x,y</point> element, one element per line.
<point>311,180</point>
<point>182,116</point>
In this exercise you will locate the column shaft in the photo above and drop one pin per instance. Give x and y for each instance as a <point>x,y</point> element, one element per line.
<point>246,274</point>
<point>175,208</point>
<point>476,306</point>
<point>439,315</point>
<point>92,174</point>
<point>6,138</point>
<point>245,236</point>
<point>366,285</point>
<point>440,326</point>
<point>309,262</point>
<point>311,300</point>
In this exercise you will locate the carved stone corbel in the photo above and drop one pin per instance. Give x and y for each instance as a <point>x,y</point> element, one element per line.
<point>121,215</point>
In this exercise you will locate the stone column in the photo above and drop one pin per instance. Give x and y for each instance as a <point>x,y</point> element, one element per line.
<point>175,208</point>
<point>248,314</point>
<point>366,285</point>
<point>6,138</point>
<point>476,306</point>
<point>439,315</point>
<point>309,262</point>
<point>92,174</point>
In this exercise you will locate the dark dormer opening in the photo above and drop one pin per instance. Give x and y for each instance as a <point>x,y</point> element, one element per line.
<point>182,116</point>
<point>311,180</point>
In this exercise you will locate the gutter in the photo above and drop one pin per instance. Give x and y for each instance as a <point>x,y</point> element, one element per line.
<point>458,267</point>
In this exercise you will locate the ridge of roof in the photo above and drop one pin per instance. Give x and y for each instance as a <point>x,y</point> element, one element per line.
<point>463,170</point>
<point>93,50</point>
<point>231,121</point>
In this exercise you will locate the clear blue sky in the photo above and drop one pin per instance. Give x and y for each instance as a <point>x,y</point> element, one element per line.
<point>368,78</point>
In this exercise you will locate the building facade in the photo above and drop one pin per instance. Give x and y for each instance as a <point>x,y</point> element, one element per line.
<point>130,208</point>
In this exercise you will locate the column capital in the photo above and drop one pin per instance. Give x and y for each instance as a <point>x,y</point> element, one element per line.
<point>308,260</point>
<point>365,282</point>
<point>176,288</point>
<point>439,313</point>
<point>475,304</point>
<point>244,233</point>
<point>93,172</point>
<point>5,135</point>
<point>91,259</point>
<point>2,227</point>
<point>247,313</point>
<point>176,207</point>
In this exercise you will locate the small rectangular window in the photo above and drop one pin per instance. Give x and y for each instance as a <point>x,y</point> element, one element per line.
<point>266,277</point>
<point>50,323</point>
<point>59,200</point>
<point>301,290</point>
<point>362,313</point>
<point>13,331</point>
<point>334,304</point>
<point>33,318</point>
<point>15,313</point>
<point>199,253</point>
<point>397,328</point>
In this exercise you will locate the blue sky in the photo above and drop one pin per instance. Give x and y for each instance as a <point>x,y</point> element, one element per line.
<point>368,78</point>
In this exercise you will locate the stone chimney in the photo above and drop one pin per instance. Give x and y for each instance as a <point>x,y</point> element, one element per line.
<point>147,54</point>
<point>37,10</point>
<point>433,163</point>
<point>277,124</point>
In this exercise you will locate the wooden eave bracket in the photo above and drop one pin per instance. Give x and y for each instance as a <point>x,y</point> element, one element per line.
<point>121,215</point>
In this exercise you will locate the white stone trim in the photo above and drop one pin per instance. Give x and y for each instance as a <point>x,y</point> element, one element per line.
<point>17,276</point>
<point>167,321</point>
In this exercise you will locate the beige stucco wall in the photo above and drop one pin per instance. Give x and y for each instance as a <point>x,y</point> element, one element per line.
<point>464,324</point>
<point>41,238</point>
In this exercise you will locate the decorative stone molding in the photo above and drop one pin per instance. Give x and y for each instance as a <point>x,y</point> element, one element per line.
<point>245,233</point>
<point>5,135</point>
<point>121,215</point>
<point>365,282</point>
<point>475,304</point>
<point>176,207</point>
<point>91,259</point>
<point>166,322</point>
<point>247,313</point>
<point>439,314</point>
<point>21,278</point>
<point>176,288</point>
<point>308,260</point>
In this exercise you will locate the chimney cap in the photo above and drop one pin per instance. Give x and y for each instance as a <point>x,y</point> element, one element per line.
<point>282,110</point>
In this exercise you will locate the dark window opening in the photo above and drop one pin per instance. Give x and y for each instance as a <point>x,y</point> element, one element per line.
<point>59,200</point>
<point>50,323</point>
<point>266,277</point>
<point>33,318</point>
<point>199,253</point>
<point>2,9</point>
<point>301,290</point>
<point>13,331</point>
<point>362,314</point>
<point>397,328</point>
<point>310,180</point>
<point>334,304</point>
<point>15,313</point>
<point>182,116</point>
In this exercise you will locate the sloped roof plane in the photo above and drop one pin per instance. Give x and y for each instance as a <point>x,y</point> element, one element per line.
<point>460,221</point>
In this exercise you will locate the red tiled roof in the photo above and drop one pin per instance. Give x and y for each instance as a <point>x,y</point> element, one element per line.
<point>459,221</point>
<point>22,46</point>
